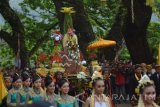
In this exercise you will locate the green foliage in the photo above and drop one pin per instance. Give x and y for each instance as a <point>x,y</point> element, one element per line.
<point>124,55</point>
<point>41,4</point>
<point>156,8</point>
<point>101,16</point>
<point>38,23</point>
<point>6,27</point>
<point>153,34</point>
<point>38,18</point>
<point>153,37</point>
<point>6,55</point>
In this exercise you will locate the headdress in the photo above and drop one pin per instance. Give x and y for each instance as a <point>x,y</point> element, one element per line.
<point>6,76</point>
<point>48,80</point>
<point>35,78</point>
<point>62,81</point>
<point>144,80</point>
<point>96,66</point>
<point>25,75</point>
<point>96,74</point>
<point>16,76</point>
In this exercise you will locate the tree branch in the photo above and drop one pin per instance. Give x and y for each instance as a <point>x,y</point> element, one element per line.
<point>41,40</point>
<point>17,27</point>
<point>11,17</point>
<point>99,23</point>
<point>39,43</point>
<point>7,37</point>
<point>58,5</point>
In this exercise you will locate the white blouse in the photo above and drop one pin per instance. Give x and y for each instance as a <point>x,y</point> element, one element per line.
<point>103,104</point>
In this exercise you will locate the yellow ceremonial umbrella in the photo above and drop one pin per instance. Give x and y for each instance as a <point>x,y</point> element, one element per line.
<point>3,90</point>
<point>101,43</point>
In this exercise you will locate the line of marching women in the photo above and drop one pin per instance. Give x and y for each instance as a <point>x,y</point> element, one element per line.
<point>19,95</point>
<point>28,90</point>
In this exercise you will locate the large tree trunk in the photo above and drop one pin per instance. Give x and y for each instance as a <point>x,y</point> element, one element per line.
<point>115,34</point>
<point>17,29</point>
<point>135,33</point>
<point>82,25</point>
<point>80,22</point>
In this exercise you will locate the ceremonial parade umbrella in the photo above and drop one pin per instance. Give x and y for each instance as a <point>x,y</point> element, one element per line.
<point>101,43</point>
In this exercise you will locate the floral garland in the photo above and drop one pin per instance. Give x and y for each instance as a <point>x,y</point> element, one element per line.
<point>42,92</point>
<point>69,100</point>
<point>92,100</point>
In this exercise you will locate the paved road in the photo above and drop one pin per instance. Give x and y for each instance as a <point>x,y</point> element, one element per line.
<point>123,105</point>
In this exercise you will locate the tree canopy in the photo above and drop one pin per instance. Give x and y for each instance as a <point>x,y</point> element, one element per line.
<point>32,26</point>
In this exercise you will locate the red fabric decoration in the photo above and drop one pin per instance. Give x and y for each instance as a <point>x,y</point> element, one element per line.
<point>42,57</point>
<point>56,58</point>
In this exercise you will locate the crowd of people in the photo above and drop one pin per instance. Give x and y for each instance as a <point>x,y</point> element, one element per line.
<point>125,77</point>
<point>118,84</point>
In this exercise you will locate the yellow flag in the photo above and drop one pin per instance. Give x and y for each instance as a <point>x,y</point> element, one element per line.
<point>3,90</point>
<point>158,62</point>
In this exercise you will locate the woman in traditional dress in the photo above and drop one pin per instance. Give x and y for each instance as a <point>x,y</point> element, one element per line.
<point>64,100</point>
<point>98,99</point>
<point>23,96</point>
<point>50,88</point>
<point>13,93</point>
<point>37,94</point>
<point>147,93</point>
<point>7,81</point>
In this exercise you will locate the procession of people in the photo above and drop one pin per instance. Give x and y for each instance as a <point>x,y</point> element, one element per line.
<point>140,85</point>
<point>67,79</point>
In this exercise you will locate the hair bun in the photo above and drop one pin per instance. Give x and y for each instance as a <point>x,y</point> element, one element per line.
<point>36,77</point>
<point>62,82</point>
<point>48,81</point>
<point>25,75</point>
<point>16,76</point>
